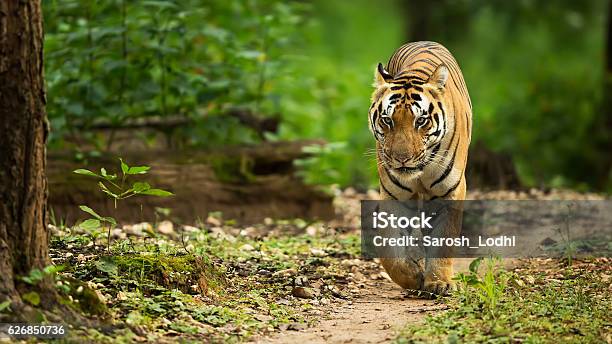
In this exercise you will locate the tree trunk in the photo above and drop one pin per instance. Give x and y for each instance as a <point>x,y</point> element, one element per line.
<point>23,132</point>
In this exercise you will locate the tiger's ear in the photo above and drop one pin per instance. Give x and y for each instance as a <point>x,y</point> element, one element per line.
<point>439,77</point>
<point>381,76</point>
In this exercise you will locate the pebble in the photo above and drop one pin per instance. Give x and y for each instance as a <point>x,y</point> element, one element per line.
<point>303,292</point>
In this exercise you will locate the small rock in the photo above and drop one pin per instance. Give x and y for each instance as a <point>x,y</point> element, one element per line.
<point>211,220</point>
<point>301,281</point>
<point>219,233</point>
<point>285,273</point>
<point>284,302</point>
<point>385,276</point>
<point>312,230</point>
<point>263,317</point>
<point>264,272</point>
<point>317,252</point>
<point>190,229</point>
<point>373,194</point>
<point>117,233</point>
<point>100,296</point>
<point>350,192</point>
<point>350,262</point>
<point>165,227</point>
<point>138,229</point>
<point>247,247</point>
<point>249,232</point>
<point>303,293</point>
<point>358,277</point>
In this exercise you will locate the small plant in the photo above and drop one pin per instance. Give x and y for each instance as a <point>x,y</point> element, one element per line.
<point>570,247</point>
<point>117,188</point>
<point>488,289</point>
<point>37,275</point>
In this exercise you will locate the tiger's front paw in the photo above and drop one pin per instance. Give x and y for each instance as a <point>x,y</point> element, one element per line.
<point>439,287</point>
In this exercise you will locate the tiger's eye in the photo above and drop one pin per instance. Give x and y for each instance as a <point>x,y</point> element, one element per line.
<point>387,121</point>
<point>420,121</point>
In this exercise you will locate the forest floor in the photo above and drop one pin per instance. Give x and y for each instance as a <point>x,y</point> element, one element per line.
<point>285,281</point>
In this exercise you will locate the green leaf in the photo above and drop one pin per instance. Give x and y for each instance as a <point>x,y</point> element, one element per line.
<point>107,265</point>
<point>157,192</point>
<point>475,264</point>
<point>138,169</point>
<point>124,166</point>
<point>140,187</point>
<point>90,224</point>
<point>85,172</point>
<point>90,211</point>
<point>110,220</point>
<point>52,269</point>
<point>32,298</point>
<point>107,176</point>
<point>33,277</point>
<point>4,305</point>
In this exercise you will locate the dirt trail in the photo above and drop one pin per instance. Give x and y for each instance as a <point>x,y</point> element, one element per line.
<point>375,315</point>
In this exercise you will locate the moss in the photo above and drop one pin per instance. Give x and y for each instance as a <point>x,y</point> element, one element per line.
<point>170,271</point>
<point>83,298</point>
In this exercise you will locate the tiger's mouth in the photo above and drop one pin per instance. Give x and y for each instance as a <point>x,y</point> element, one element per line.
<point>410,169</point>
<point>407,169</point>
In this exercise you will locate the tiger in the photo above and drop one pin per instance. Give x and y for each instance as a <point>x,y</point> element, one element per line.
<point>421,119</point>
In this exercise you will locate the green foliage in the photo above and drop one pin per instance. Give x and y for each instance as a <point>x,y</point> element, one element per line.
<point>542,303</point>
<point>120,60</point>
<point>327,89</point>
<point>534,71</point>
<point>31,297</point>
<point>487,289</point>
<point>5,305</point>
<point>536,84</point>
<point>36,275</point>
<point>116,190</point>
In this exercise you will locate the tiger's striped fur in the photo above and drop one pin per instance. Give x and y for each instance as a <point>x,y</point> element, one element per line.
<point>421,118</point>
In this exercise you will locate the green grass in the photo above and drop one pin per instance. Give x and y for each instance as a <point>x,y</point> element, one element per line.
<point>544,301</point>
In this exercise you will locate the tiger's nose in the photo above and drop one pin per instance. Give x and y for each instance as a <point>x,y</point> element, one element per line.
<point>401,157</point>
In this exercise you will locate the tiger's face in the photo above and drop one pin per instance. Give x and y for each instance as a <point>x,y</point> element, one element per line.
<point>407,118</point>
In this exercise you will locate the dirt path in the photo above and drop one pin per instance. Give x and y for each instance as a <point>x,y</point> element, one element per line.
<point>373,316</point>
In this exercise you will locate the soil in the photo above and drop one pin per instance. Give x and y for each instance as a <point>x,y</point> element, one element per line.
<point>373,316</point>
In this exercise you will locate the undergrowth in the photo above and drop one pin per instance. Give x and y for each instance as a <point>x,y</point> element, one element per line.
<point>540,301</point>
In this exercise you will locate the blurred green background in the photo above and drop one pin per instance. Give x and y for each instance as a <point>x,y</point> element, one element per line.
<point>538,73</point>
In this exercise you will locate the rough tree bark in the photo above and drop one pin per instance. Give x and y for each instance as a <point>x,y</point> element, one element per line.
<point>23,132</point>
